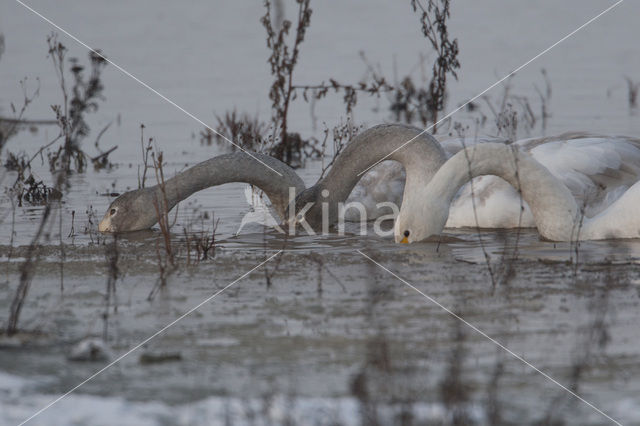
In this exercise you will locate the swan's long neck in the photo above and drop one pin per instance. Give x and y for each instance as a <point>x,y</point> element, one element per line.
<point>236,167</point>
<point>552,204</point>
<point>419,153</point>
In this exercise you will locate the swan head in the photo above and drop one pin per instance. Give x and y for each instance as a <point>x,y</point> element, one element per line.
<point>417,222</point>
<point>131,211</point>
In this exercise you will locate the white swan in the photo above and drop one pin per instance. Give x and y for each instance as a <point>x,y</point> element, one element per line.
<point>596,169</point>
<point>556,212</point>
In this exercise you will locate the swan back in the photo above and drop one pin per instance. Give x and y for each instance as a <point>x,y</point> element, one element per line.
<point>596,169</point>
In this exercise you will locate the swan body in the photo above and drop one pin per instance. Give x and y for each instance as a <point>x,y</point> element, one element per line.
<point>596,169</point>
<point>555,210</point>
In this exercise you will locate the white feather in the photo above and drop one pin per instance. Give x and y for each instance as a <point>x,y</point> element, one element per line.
<point>596,169</point>
<point>259,212</point>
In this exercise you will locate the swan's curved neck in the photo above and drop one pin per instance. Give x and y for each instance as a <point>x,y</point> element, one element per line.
<point>236,167</point>
<point>552,204</point>
<point>419,153</point>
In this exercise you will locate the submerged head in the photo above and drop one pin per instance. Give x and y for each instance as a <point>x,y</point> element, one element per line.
<point>131,211</point>
<point>420,220</point>
<point>307,207</point>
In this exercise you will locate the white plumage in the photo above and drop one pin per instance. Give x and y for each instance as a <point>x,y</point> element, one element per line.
<point>259,211</point>
<point>596,169</point>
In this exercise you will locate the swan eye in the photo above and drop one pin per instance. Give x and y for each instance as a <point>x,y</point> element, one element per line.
<point>112,212</point>
<point>406,233</point>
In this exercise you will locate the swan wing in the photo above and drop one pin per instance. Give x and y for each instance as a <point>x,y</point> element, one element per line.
<point>259,211</point>
<point>255,199</point>
<point>596,169</point>
<point>248,194</point>
<point>490,202</point>
<point>452,145</point>
<point>383,183</point>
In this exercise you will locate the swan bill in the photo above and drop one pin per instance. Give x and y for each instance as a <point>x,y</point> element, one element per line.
<point>404,240</point>
<point>105,225</point>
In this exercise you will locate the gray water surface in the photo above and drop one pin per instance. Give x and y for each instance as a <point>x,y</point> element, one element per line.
<point>329,337</point>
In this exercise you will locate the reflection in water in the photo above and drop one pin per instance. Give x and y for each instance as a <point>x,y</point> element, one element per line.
<point>592,339</point>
